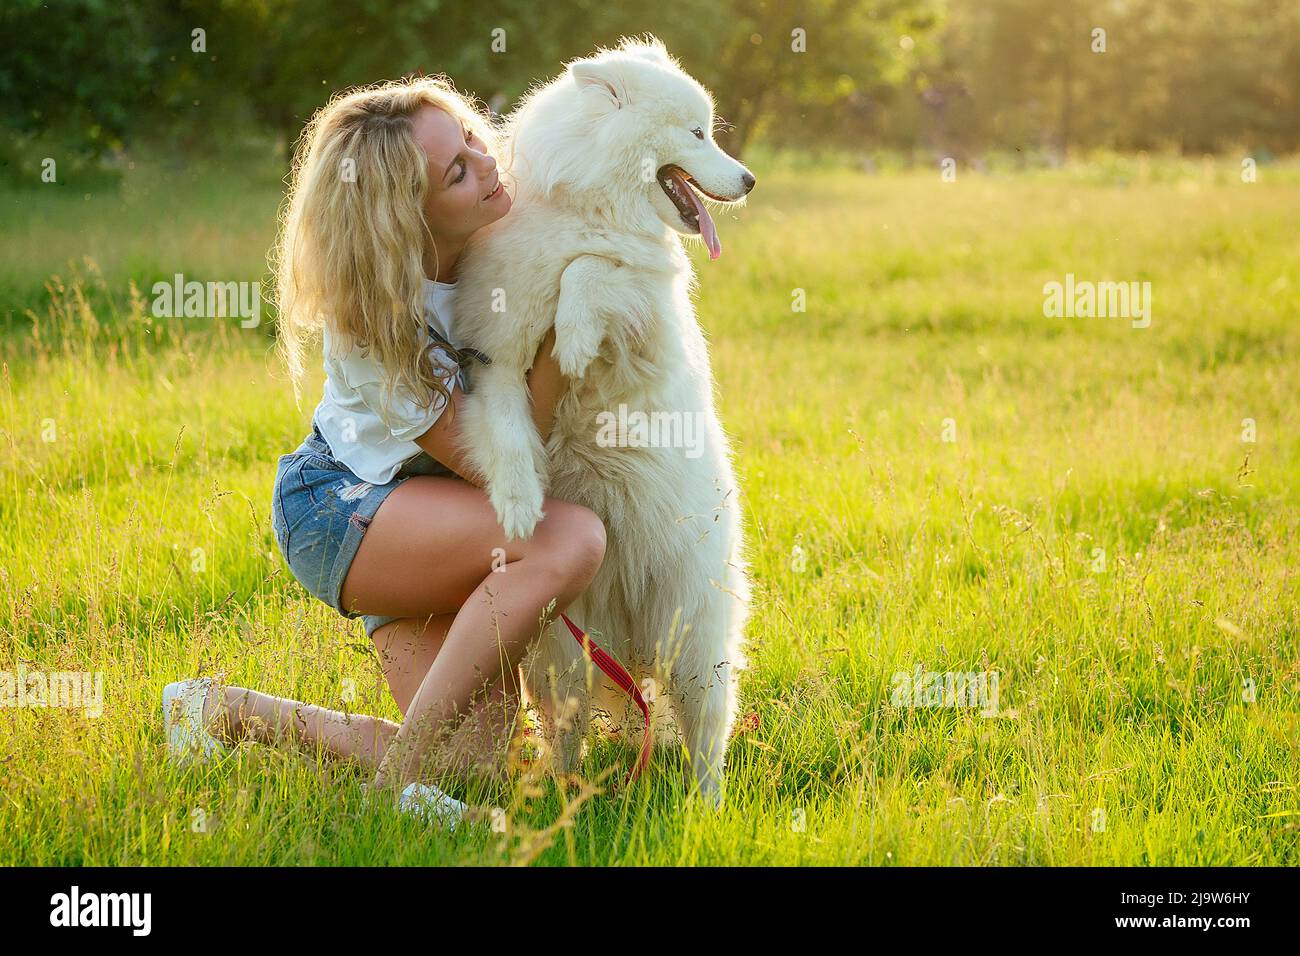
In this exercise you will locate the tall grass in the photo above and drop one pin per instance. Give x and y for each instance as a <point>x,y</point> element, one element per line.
<point>1098,534</point>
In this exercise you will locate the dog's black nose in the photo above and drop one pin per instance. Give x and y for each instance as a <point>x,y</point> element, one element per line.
<point>748,180</point>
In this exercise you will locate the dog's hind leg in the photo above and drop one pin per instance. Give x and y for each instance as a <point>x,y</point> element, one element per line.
<point>702,685</point>
<point>556,683</point>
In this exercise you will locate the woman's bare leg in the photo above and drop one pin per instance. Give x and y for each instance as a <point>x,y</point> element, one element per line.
<point>250,714</point>
<point>407,649</point>
<point>435,548</point>
<point>435,554</point>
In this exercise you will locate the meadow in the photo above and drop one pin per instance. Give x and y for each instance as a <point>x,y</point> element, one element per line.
<point>936,475</point>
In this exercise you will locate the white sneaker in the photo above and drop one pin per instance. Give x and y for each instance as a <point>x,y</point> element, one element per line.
<point>188,737</point>
<point>431,803</point>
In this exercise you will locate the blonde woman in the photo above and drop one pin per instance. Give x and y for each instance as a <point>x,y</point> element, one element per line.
<point>378,513</point>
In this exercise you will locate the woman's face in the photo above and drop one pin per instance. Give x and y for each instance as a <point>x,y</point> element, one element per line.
<point>465,192</point>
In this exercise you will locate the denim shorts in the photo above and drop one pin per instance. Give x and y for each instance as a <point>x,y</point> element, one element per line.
<point>320,511</point>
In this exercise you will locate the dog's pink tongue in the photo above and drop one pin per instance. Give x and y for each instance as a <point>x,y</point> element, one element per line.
<point>708,230</point>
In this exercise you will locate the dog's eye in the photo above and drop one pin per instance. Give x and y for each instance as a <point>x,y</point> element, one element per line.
<point>699,133</point>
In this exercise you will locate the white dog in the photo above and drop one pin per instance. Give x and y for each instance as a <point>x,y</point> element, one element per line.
<point>607,160</point>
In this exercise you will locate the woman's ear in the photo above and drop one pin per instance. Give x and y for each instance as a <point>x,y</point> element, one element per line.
<point>599,81</point>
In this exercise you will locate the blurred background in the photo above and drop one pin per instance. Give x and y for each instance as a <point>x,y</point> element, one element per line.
<point>101,80</point>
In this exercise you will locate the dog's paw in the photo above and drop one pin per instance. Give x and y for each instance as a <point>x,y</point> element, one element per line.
<point>576,346</point>
<point>519,511</point>
<point>710,781</point>
<point>713,793</point>
<point>519,520</point>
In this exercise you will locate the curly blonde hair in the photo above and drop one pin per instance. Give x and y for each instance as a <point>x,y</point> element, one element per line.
<point>349,254</point>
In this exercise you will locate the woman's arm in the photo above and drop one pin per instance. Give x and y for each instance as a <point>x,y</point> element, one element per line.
<point>545,385</point>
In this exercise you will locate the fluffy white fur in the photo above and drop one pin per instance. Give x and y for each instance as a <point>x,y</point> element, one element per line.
<point>593,246</point>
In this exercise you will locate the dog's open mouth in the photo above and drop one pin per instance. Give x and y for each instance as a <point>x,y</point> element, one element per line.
<point>678,186</point>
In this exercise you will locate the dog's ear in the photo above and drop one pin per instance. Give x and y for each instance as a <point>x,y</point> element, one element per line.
<point>596,78</point>
<point>647,47</point>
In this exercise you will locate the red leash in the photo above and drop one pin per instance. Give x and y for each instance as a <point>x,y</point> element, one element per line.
<point>615,672</point>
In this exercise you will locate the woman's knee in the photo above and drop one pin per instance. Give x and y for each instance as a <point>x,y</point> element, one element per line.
<point>575,541</point>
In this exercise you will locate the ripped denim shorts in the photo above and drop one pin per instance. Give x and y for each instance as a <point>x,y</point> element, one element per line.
<point>320,510</point>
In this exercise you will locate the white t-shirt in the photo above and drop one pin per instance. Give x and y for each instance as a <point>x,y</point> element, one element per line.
<point>349,412</point>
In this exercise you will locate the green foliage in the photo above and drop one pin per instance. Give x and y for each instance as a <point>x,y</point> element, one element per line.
<point>1172,75</point>
<point>268,66</point>
<point>948,77</point>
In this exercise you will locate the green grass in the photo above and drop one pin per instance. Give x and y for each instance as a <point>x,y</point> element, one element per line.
<point>137,541</point>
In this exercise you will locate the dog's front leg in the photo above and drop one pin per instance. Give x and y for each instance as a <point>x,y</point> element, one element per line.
<point>591,289</point>
<point>503,445</point>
